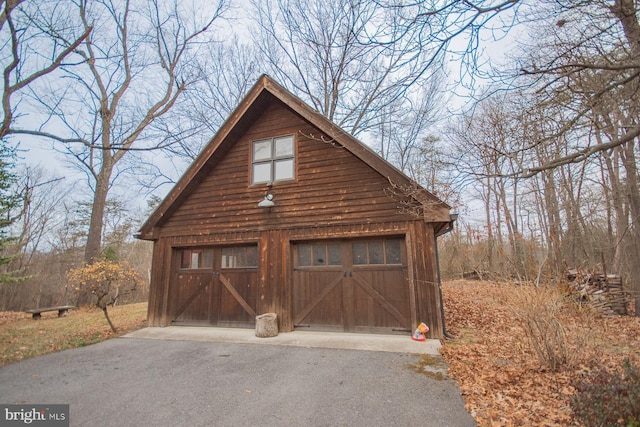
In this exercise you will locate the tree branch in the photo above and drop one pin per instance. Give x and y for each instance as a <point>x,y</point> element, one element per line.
<point>583,154</point>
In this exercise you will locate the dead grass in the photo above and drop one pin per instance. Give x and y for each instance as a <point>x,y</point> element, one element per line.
<point>22,337</point>
<point>500,376</point>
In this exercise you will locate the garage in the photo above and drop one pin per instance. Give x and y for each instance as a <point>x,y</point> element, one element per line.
<point>351,286</point>
<point>283,212</point>
<point>215,286</point>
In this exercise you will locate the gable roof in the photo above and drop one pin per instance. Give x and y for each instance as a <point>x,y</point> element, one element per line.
<point>252,105</point>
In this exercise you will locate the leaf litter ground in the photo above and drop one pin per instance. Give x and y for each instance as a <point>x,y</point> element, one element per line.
<point>500,377</point>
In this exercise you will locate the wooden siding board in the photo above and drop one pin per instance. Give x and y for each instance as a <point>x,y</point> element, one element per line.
<point>304,199</point>
<point>251,218</point>
<point>427,298</point>
<point>298,232</point>
<point>322,192</point>
<point>160,278</point>
<point>411,272</point>
<point>431,272</point>
<point>264,272</point>
<point>156,293</point>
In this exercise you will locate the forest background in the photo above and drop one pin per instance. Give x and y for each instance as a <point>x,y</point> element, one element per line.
<point>523,115</point>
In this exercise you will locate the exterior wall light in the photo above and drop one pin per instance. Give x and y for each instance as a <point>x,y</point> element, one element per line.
<point>267,202</point>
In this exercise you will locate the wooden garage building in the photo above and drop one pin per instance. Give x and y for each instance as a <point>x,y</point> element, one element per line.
<point>285,212</point>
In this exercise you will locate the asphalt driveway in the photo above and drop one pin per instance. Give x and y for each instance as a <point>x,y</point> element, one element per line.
<point>143,382</point>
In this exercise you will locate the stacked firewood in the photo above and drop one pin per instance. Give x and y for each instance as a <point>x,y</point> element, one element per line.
<point>604,292</point>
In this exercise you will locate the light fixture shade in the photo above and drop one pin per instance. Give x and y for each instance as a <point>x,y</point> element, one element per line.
<point>267,202</point>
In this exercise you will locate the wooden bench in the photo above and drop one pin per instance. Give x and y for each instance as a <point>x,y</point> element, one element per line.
<point>62,311</point>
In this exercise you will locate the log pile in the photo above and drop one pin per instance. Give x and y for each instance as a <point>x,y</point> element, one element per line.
<point>604,292</point>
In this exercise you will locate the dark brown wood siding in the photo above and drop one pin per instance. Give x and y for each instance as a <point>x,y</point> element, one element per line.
<point>425,280</point>
<point>160,276</point>
<point>332,186</point>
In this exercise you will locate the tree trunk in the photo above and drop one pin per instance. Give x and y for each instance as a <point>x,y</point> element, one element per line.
<point>625,11</point>
<point>490,242</point>
<point>620,216</point>
<point>633,193</point>
<point>94,238</point>
<point>266,325</point>
<point>554,232</point>
<point>106,315</point>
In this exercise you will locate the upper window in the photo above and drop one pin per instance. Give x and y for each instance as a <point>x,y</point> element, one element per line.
<point>273,160</point>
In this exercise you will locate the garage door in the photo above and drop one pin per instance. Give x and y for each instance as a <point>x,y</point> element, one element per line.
<point>351,286</point>
<point>215,286</point>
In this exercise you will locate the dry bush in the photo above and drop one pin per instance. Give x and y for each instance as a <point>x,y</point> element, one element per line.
<point>538,310</point>
<point>107,281</point>
<point>499,374</point>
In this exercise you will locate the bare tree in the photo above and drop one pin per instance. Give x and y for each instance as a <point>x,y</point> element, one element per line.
<point>36,216</point>
<point>129,72</point>
<point>584,62</point>
<point>401,137</point>
<point>27,57</point>
<point>328,54</point>
<point>226,71</point>
<point>454,28</point>
<point>570,41</point>
<point>519,214</point>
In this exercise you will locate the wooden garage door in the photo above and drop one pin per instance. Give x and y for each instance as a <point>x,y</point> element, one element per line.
<point>215,286</point>
<point>352,286</point>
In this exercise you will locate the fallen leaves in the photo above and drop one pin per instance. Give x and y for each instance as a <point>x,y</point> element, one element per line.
<point>500,377</point>
<point>12,316</point>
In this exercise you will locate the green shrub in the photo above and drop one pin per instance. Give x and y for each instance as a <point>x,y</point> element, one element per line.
<point>608,398</point>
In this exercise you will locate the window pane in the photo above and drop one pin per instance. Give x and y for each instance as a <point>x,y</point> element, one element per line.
<point>393,249</point>
<point>284,146</point>
<point>304,255</point>
<point>262,150</point>
<point>284,169</point>
<point>185,261</point>
<point>241,257</point>
<point>335,254</point>
<point>207,261</point>
<point>252,256</point>
<point>227,258</point>
<point>262,172</point>
<point>319,254</point>
<point>360,253</point>
<point>376,253</point>
<point>195,259</point>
